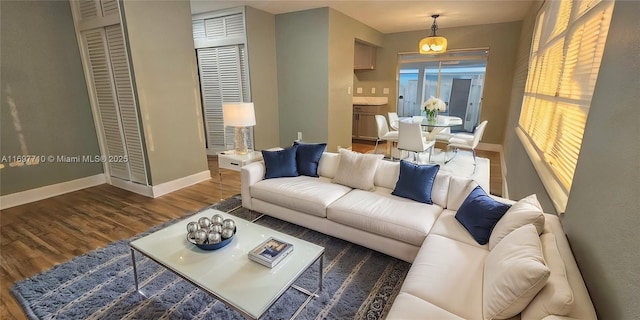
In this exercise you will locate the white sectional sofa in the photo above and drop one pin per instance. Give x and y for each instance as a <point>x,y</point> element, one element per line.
<point>452,276</point>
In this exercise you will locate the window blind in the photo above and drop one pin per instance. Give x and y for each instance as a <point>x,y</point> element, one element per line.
<point>567,47</point>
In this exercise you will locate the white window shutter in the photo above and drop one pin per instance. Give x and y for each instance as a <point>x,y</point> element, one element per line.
<point>221,80</point>
<point>198,29</point>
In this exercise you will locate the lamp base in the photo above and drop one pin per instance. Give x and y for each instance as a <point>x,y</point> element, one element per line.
<point>241,140</point>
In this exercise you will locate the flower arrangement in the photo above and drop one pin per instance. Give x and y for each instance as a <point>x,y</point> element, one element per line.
<point>432,106</point>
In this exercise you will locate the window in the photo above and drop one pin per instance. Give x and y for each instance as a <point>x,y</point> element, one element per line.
<point>566,50</point>
<point>456,77</point>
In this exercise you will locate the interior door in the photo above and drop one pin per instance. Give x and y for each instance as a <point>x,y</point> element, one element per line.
<point>459,100</point>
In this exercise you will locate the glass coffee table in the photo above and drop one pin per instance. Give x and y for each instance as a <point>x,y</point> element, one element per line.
<point>227,273</point>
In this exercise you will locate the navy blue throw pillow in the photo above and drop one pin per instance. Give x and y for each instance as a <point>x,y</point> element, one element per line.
<point>416,181</point>
<point>479,213</point>
<point>280,163</point>
<point>308,157</point>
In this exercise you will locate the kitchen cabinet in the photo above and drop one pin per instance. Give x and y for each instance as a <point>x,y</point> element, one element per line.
<point>364,57</point>
<point>364,122</point>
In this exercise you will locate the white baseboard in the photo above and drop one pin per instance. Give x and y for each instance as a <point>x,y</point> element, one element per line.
<point>20,198</point>
<point>180,183</point>
<point>142,189</point>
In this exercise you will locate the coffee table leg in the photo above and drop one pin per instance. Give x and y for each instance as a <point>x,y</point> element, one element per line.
<point>320,272</point>
<point>135,269</point>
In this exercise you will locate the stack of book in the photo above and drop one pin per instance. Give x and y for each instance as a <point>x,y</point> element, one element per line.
<point>270,252</point>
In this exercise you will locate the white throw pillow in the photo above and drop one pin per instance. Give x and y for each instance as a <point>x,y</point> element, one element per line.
<point>514,272</point>
<point>525,211</point>
<point>459,189</point>
<point>556,297</point>
<point>357,170</point>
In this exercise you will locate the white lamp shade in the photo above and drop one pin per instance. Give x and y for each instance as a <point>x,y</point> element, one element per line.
<point>238,114</point>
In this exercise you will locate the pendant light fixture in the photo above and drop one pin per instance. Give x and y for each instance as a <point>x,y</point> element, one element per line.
<point>433,44</point>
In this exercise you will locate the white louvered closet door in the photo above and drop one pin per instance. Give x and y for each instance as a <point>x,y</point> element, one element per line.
<point>126,104</point>
<point>223,78</point>
<point>111,77</point>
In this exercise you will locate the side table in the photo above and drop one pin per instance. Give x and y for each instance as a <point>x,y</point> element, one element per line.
<point>229,160</point>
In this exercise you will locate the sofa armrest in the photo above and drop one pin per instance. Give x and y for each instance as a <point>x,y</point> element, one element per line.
<point>249,175</point>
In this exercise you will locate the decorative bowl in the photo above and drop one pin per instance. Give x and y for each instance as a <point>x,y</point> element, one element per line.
<point>213,246</point>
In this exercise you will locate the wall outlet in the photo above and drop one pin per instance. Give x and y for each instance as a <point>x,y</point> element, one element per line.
<point>299,136</point>
<point>358,90</point>
<point>348,90</point>
<point>385,90</point>
<point>373,90</point>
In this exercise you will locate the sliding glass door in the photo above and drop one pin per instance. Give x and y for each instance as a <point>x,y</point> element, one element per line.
<point>456,77</point>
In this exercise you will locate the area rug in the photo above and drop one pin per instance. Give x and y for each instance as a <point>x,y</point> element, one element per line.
<point>359,283</point>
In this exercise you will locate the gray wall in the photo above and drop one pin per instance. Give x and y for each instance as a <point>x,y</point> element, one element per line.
<point>502,41</point>
<point>261,47</point>
<point>603,213</point>
<point>343,31</point>
<point>302,44</point>
<point>41,75</point>
<point>166,78</point>
<point>602,216</point>
<point>315,70</point>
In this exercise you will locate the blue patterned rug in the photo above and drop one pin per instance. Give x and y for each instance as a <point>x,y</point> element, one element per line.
<point>359,283</point>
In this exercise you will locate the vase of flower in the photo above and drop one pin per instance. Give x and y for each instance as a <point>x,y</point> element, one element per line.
<point>432,115</point>
<point>431,107</point>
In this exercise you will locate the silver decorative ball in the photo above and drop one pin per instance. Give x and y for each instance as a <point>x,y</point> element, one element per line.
<point>215,228</point>
<point>204,222</point>
<point>227,233</point>
<point>200,236</point>
<point>192,235</point>
<point>228,224</point>
<point>192,227</point>
<point>214,238</point>
<point>217,219</point>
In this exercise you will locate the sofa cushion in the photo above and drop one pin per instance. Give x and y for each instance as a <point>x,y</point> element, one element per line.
<point>448,226</point>
<point>459,189</point>
<point>328,164</point>
<point>384,214</point>
<point>440,190</point>
<point>387,174</point>
<point>308,157</point>
<point>448,273</point>
<point>304,194</point>
<point>407,307</point>
<point>356,170</point>
<point>416,181</point>
<point>525,211</point>
<point>280,163</point>
<point>514,273</point>
<point>479,213</point>
<point>556,297</point>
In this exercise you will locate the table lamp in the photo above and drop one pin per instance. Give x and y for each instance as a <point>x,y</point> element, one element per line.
<point>241,116</point>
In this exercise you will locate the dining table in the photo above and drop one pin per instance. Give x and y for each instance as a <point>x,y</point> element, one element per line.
<point>434,127</point>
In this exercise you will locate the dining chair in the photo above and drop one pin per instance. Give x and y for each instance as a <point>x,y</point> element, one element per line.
<point>393,120</point>
<point>468,141</point>
<point>410,139</point>
<point>384,133</point>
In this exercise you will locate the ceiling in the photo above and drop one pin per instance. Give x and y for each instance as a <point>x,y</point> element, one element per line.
<point>389,16</point>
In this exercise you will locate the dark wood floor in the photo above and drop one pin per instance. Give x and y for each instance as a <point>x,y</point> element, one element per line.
<point>37,236</point>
